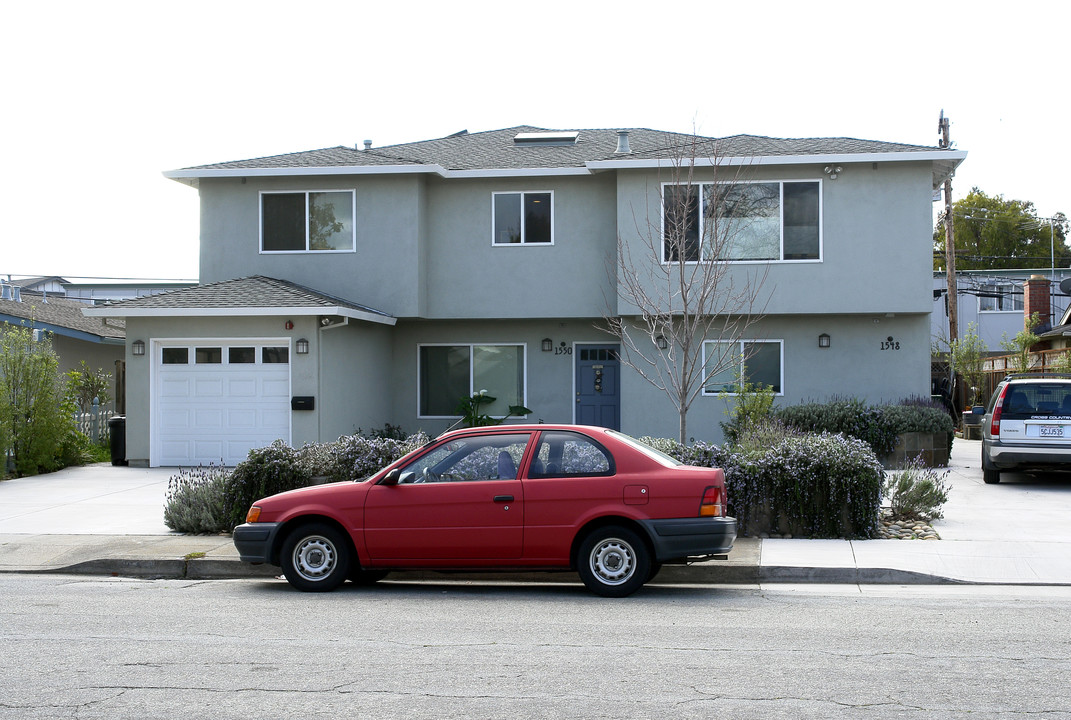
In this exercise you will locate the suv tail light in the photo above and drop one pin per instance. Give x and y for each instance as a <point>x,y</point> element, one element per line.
<point>994,424</point>
<point>713,504</point>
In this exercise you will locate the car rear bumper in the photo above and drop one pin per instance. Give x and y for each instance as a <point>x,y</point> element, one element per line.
<point>254,541</point>
<point>1004,456</point>
<point>691,537</point>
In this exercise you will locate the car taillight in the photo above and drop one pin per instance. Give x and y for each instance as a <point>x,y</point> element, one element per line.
<point>994,423</point>
<point>713,504</point>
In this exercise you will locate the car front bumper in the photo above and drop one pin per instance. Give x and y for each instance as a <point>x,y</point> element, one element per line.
<point>254,542</point>
<point>691,537</point>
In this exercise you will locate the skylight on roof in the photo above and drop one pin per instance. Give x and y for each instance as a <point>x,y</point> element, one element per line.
<point>546,138</point>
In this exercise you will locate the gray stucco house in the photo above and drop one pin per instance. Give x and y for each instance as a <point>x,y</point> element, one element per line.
<point>348,288</point>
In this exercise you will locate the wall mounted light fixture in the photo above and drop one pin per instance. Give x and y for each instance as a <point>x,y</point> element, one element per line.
<point>137,348</point>
<point>662,343</point>
<point>547,345</point>
<point>302,346</point>
<point>832,171</point>
<point>823,340</point>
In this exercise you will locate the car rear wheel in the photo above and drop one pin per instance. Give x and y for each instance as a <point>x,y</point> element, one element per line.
<point>613,562</point>
<point>316,558</point>
<point>990,474</point>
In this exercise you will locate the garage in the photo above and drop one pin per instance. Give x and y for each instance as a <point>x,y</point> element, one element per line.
<point>214,400</point>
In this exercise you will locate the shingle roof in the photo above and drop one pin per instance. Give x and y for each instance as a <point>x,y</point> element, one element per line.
<point>496,149</point>
<point>57,313</point>
<point>254,293</point>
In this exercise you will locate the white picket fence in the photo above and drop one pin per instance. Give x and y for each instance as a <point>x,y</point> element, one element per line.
<point>94,423</point>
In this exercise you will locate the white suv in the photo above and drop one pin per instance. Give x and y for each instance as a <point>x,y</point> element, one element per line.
<point>1027,425</point>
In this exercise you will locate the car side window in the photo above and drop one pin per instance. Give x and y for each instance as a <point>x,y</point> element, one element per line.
<point>482,457</point>
<point>569,454</point>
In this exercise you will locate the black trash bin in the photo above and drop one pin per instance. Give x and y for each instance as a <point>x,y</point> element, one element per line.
<point>117,439</point>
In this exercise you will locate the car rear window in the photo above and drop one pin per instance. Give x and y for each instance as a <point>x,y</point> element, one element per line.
<point>1037,399</point>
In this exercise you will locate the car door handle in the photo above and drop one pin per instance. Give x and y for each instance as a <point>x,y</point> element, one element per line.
<point>503,498</point>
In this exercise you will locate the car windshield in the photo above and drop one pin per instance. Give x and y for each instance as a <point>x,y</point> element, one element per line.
<point>651,452</point>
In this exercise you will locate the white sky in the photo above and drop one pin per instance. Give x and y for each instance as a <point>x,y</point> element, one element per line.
<point>99,98</point>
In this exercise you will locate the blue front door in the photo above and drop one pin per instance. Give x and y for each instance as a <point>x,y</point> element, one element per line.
<point>598,386</point>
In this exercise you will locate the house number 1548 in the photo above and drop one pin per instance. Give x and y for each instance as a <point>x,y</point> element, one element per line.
<point>890,344</point>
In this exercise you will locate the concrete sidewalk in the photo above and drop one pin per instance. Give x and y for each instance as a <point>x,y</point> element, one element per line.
<point>106,520</point>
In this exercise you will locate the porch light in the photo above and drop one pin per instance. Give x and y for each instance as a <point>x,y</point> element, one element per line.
<point>302,346</point>
<point>823,340</point>
<point>137,348</point>
<point>547,345</point>
<point>662,343</point>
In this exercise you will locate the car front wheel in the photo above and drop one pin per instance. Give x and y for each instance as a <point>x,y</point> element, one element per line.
<point>316,558</point>
<point>613,562</point>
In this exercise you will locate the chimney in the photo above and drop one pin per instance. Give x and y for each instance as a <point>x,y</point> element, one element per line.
<point>1036,300</point>
<point>622,143</point>
<point>367,144</point>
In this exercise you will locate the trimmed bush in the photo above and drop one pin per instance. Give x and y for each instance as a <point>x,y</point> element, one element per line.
<point>783,481</point>
<point>879,426</point>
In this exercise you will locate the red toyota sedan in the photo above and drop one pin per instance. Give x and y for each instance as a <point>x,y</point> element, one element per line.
<point>509,497</point>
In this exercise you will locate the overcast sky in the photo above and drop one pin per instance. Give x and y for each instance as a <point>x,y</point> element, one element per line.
<point>99,98</point>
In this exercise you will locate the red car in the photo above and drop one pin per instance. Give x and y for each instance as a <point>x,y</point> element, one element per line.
<point>519,497</point>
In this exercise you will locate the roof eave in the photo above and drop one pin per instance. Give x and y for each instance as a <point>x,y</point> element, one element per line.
<point>143,312</point>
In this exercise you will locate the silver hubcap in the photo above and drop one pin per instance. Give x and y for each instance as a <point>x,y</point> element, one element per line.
<point>613,561</point>
<point>315,557</point>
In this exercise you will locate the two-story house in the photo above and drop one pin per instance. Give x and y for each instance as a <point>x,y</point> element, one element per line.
<point>348,288</point>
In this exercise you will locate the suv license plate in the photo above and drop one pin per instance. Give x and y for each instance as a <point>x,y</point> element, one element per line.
<point>1050,431</point>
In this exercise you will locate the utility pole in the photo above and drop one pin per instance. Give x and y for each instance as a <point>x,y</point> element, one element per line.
<point>952,290</point>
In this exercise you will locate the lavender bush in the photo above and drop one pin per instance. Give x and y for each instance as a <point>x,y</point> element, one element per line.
<point>194,501</point>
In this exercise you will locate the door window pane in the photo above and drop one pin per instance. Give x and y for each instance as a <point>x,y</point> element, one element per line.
<point>176,356</point>
<point>208,356</point>
<point>241,355</point>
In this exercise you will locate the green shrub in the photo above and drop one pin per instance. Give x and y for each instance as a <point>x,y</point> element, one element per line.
<point>917,492</point>
<point>266,471</point>
<point>781,480</point>
<point>357,456</point>
<point>195,501</point>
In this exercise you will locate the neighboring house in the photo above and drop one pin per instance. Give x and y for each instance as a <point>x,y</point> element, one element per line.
<point>995,301</point>
<point>75,337</point>
<point>348,288</point>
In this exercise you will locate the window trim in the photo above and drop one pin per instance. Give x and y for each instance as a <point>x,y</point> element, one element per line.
<point>700,185</point>
<point>523,242</point>
<point>1008,289</point>
<point>470,345</point>
<point>781,363</point>
<point>307,193</point>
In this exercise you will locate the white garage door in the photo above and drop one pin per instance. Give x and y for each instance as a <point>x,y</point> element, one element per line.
<point>215,400</point>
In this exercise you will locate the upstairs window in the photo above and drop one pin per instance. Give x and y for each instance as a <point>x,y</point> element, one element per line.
<point>320,221</point>
<point>760,221</point>
<point>522,218</point>
<point>1000,297</point>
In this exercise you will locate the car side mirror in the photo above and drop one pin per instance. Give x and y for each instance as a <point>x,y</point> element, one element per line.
<point>391,478</point>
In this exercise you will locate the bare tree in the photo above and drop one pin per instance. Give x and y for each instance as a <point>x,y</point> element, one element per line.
<point>675,284</point>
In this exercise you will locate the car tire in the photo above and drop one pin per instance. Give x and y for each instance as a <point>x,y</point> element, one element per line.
<point>990,474</point>
<point>613,561</point>
<point>360,576</point>
<point>316,557</point>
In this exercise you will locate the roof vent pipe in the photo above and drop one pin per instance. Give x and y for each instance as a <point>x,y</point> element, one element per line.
<point>367,144</point>
<point>5,292</point>
<point>622,143</point>
<point>16,293</point>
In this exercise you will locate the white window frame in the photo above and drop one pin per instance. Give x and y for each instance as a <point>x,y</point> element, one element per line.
<point>523,242</point>
<point>743,361</point>
<point>306,193</point>
<point>699,186</point>
<point>472,370</point>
